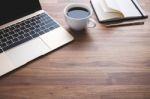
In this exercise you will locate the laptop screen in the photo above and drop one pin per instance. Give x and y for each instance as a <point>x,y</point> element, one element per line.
<point>14,9</point>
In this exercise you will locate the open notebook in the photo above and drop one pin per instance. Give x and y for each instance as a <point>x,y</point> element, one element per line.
<point>113,10</point>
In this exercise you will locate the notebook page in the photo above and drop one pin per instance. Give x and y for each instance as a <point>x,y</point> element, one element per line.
<point>143,12</point>
<point>128,8</point>
<point>103,16</point>
<point>106,7</point>
<point>111,4</point>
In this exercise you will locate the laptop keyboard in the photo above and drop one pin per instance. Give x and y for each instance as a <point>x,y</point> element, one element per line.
<point>26,30</point>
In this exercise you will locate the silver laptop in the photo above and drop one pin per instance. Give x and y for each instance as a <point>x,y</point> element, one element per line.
<point>26,32</point>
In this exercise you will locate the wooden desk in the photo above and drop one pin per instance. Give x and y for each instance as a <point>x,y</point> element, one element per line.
<point>102,63</point>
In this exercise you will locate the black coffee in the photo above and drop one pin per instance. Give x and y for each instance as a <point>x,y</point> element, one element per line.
<point>78,13</point>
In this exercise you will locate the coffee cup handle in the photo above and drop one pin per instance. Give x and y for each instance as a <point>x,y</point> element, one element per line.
<point>91,23</point>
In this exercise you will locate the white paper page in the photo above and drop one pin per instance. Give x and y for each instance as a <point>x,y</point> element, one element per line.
<point>127,8</point>
<point>143,12</point>
<point>105,7</point>
<point>112,4</point>
<point>103,15</point>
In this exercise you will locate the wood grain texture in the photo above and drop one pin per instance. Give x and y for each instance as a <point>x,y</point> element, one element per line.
<point>102,63</point>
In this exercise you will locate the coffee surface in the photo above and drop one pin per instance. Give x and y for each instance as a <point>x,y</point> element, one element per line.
<point>78,13</point>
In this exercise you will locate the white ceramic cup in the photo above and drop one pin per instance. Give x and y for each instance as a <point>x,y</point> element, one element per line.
<point>79,24</point>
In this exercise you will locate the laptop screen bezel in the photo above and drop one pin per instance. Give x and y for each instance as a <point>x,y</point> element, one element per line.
<point>8,18</point>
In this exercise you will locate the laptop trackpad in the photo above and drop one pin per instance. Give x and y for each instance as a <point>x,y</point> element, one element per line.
<point>5,64</point>
<point>28,51</point>
<point>56,38</point>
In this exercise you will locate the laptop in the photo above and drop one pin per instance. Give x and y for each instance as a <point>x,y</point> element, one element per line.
<point>27,32</point>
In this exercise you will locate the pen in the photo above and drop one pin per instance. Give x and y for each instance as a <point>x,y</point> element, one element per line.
<point>124,24</point>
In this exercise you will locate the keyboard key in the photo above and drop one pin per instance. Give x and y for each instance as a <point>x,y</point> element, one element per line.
<point>22,28</point>
<point>33,20</point>
<point>11,28</point>
<point>9,42</point>
<point>37,30</point>
<point>1,32</point>
<point>48,26</point>
<point>47,22</point>
<point>41,32</point>
<point>51,28</point>
<point>46,30</point>
<point>31,28</point>
<point>4,40</point>
<point>21,37</point>
<point>17,30</point>
<point>37,26</point>
<point>27,21</point>
<point>27,26</point>
<point>35,35</point>
<point>17,26</point>
<point>56,26</point>
<point>26,30</point>
<point>17,43</point>
<point>15,35</point>
<point>37,21</point>
<point>42,28</point>
<point>1,37</point>
<point>5,35</point>
<point>3,45</point>
<point>32,24</point>
<point>42,24</point>
<point>6,30</point>
<point>32,32</point>
<point>11,32</point>
<point>26,35</point>
<point>15,40</point>
<point>9,37</point>
<point>22,24</point>
<point>21,32</point>
<point>1,50</point>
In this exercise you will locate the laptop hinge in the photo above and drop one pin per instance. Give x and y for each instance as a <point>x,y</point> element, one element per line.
<point>21,19</point>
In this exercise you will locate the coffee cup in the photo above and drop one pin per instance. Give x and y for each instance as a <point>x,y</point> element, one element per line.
<point>78,16</point>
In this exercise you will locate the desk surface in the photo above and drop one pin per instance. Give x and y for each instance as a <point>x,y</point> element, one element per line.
<point>102,63</point>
